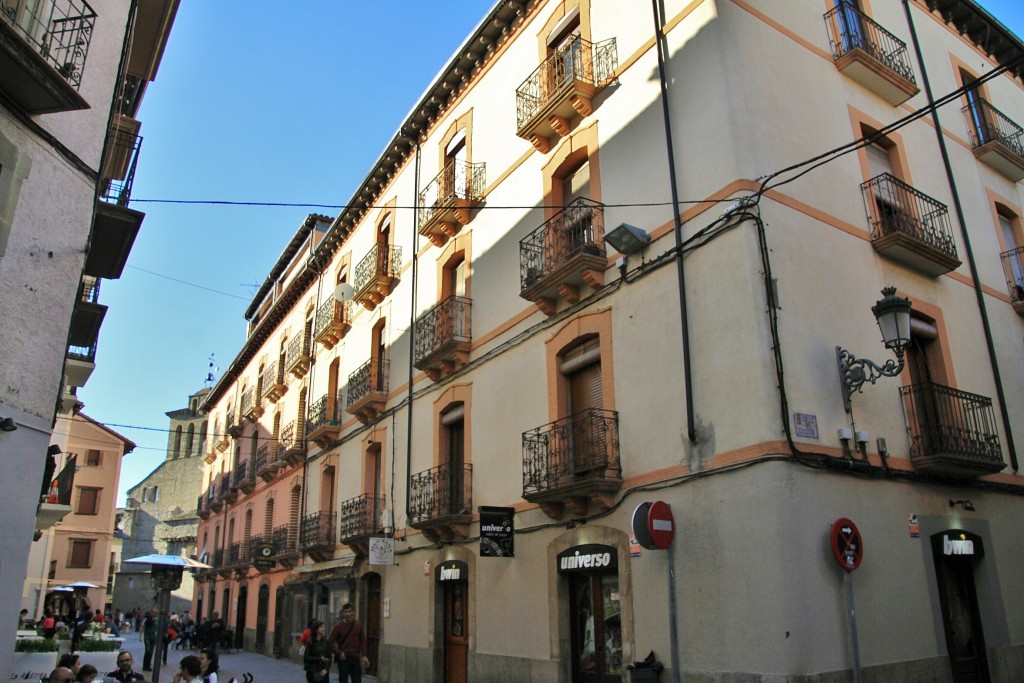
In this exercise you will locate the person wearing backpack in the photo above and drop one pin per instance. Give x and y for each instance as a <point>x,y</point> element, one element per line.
<point>348,643</point>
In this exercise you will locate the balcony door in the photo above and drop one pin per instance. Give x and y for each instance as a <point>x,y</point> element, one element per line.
<point>455,181</point>
<point>581,368</point>
<point>1013,258</point>
<point>453,423</point>
<point>924,366</point>
<point>975,109</point>
<point>851,29</point>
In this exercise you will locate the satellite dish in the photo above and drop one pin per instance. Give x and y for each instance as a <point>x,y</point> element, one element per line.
<point>344,292</point>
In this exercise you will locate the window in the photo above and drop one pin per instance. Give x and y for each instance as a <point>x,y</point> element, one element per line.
<point>453,437</point>
<point>14,168</point>
<point>88,501</point>
<point>1013,254</point>
<point>177,441</point>
<point>79,553</point>
<point>190,439</point>
<point>93,458</point>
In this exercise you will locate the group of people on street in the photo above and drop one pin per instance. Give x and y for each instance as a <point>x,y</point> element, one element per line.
<point>183,631</point>
<point>346,643</point>
<point>203,668</point>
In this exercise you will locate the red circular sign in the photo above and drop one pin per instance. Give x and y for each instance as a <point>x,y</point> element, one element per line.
<point>847,545</point>
<point>660,524</point>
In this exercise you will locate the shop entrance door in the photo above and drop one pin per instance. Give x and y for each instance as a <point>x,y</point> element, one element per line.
<point>595,628</point>
<point>262,617</point>
<point>456,640</point>
<point>243,599</point>
<point>961,616</point>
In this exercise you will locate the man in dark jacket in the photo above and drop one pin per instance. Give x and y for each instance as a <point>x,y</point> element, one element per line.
<point>348,643</point>
<point>124,672</point>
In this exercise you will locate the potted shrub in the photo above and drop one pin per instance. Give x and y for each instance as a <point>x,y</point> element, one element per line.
<point>34,658</point>
<point>100,653</point>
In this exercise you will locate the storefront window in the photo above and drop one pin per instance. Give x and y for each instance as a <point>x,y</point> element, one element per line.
<point>594,613</point>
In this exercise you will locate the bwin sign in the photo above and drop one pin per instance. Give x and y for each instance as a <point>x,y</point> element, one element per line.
<point>450,573</point>
<point>957,547</point>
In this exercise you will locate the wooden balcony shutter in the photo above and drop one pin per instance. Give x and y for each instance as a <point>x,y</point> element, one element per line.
<point>582,368</point>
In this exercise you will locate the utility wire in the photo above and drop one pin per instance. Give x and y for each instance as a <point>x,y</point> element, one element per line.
<point>190,284</point>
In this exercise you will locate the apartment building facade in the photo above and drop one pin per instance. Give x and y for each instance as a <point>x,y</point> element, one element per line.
<point>72,77</point>
<point>650,272</point>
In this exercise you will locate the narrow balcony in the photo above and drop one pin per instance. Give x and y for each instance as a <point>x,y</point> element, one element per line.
<point>122,151</point>
<point>333,321</point>
<point>368,389</point>
<point>318,533</point>
<point>870,55</point>
<point>251,404</point>
<point>232,424</point>
<point>1013,267</point>
<point>291,447</point>
<point>995,139</point>
<point>444,337</point>
<point>952,433</point>
<point>115,226</point>
<point>571,461</point>
<point>213,500</point>
<point>203,507</point>
<point>79,364</point>
<point>272,381</point>
<point>231,560</point>
<point>221,440</point>
<point>251,547</point>
<point>266,463</point>
<point>562,255</point>
<point>361,519</point>
<point>447,202</point>
<point>909,226</point>
<point>561,90</point>
<point>87,315</point>
<point>43,48</point>
<point>217,562</point>
<point>244,478</point>
<point>323,426</point>
<point>377,275</point>
<point>227,492</point>
<point>441,501</point>
<point>296,356</point>
<point>55,503</point>
<point>286,545</point>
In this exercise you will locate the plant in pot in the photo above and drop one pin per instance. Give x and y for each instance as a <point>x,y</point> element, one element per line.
<point>100,653</point>
<point>34,658</point>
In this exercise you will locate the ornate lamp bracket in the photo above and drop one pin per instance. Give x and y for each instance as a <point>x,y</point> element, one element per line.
<point>853,371</point>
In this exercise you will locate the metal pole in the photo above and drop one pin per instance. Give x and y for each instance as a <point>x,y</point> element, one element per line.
<point>162,603</point>
<point>848,581</point>
<point>672,630</point>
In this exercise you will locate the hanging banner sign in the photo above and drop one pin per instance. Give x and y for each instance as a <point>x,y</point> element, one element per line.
<point>497,531</point>
<point>382,551</point>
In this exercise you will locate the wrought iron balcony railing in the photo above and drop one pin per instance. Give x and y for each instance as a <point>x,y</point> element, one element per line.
<point>240,475</point>
<point>252,546</point>
<point>1013,267</point>
<point>458,182</point>
<point>850,29</point>
<point>448,323</point>
<point>234,555</point>
<point>576,229</point>
<point>383,260</point>
<point>371,378</point>
<point>218,558</point>
<point>441,492</point>
<point>86,354</point>
<point>297,348</point>
<point>247,400</point>
<point>895,207</point>
<point>90,290</point>
<point>271,376</point>
<point>951,431</point>
<point>318,531</point>
<point>124,145</point>
<point>224,486</point>
<point>285,540</point>
<point>580,60</point>
<point>578,448</point>
<point>261,459</point>
<point>59,30</point>
<point>361,517</point>
<point>323,412</point>
<point>988,124</point>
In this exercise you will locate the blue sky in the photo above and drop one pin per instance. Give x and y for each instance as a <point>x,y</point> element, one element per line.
<point>291,105</point>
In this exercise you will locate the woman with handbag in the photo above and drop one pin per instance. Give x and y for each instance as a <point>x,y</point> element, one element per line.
<point>317,658</point>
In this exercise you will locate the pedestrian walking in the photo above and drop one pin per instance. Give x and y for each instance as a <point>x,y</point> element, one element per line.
<point>348,643</point>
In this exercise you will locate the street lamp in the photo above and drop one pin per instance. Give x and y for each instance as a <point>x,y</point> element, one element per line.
<point>893,315</point>
<point>165,575</point>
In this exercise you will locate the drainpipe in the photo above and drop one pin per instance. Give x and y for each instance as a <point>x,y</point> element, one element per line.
<point>662,48</point>
<point>412,330</point>
<point>313,261</point>
<point>978,293</point>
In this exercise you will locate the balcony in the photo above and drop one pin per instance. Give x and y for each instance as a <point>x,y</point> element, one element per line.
<point>221,440</point>
<point>317,539</point>
<point>214,500</point>
<point>55,504</point>
<point>444,337</point>
<point>43,47</point>
<point>333,321</point>
<point>217,562</point>
<point>377,275</point>
<point>441,501</point>
<point>116,226</point>
<point>995,139</point>
<point>323,426</point>
<point>1013,267</point>
<point>368,389</point>
<point>296,356</point>
<point>562,255</point>
<point>286,545</point>
<point>233,425</point>
<point>265,462</point>
<point>361,519</point>
<point>870,55</point>
<point>447,201</point>
<point>243,478</point>
<point>571,461</point>
<point>562,90</point>
<point>952,433</point>
<point>79,363</point>
<point>272,382</point>
<point>909,226</point>
<point>87,315</point>
<point>291,446</point>
<point>251,404</point>
<point>227,491</point>
<point>203,507</point>
<point>232,555</point>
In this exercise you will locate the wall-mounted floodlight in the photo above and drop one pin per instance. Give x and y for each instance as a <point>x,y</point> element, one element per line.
<point>627,239</point>
<point>7,424</point>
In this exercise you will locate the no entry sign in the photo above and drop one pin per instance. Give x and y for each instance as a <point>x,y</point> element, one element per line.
<point>653,525</point>
<point>847,545</point>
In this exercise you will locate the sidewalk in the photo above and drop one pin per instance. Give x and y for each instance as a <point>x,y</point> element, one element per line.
<point>232,664</point>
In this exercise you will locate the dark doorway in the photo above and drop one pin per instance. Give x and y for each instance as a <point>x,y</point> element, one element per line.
<point>456,638</point>
<point>280,609</point>
<point>374,619</point>
<point>956,555</point>
<point>243,598</point>
<point>595,628</point>
<point>262,617</point>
